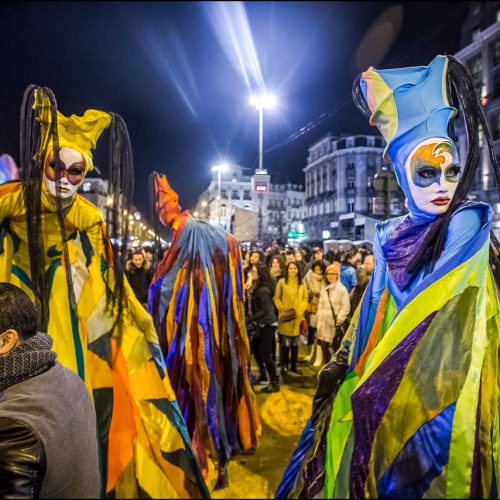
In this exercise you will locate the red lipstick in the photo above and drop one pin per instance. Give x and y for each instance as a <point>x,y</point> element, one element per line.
<point>442,200</point>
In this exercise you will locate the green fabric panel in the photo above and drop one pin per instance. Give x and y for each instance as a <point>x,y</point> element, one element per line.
<point>343,476</point>
<point>17,271</point>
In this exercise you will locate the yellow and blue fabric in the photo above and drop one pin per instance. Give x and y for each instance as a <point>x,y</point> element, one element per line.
<point>144,446</point>
<point>417,415</point>
<point>408,106</point>
<point>196,299</point>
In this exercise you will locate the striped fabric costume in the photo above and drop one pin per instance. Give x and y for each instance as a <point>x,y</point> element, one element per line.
<point>196,299</point>
<point>144,446</point>
<point>409,406</point>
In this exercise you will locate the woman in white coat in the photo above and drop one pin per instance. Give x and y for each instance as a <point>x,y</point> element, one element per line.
<point>333,309</point>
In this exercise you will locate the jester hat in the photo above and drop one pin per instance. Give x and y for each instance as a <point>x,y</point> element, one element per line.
<point>76,132</point>
<point>408,106</point>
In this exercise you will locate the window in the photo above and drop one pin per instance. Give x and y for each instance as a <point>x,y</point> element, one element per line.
<point>495,128</point>
<point>235,195</point>
<point>223,212</point>
<point>341,144</point>
<point>495,49</point>
<point>223,193</point>
<point>350,185</point>
<point>350,206</point>
<point>359,142</point>
<point>476,71</point>
<point>350,171</point>
<point>246,194</point>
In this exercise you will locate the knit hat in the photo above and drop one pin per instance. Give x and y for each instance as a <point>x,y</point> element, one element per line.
<point>335,267</point>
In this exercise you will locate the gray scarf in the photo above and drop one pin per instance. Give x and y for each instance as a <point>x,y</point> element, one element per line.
<point>29,359</point>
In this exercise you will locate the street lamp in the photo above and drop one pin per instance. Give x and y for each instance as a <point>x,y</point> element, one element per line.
<point>222,167</point>
<point>260,103</point>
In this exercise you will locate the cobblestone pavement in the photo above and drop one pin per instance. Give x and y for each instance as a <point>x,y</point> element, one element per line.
<point>283,416</point>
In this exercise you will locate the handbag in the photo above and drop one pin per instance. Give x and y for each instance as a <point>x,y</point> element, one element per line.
<point>339,329</point>
<point>287,315</point>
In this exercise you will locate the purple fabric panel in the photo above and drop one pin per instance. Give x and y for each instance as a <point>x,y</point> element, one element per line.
<point>371,400</point>
<point>401,247</point>
<point>314,472</point>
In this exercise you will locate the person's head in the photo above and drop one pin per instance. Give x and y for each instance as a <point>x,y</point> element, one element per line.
<point>293,271</point>
<point>138,259</point>
<point>298,256</point>
<point>351,257</point>
<point>256,257</point>
<point>277,265</point>
<point>319,268</point>
<point>369,262</point>
<point>289,256</point>
<point>261,276</point>
<point>332,272</point>
<point>361,276</point>
<point>148,253</point>
<point>318,253</point>
<point>19,318</point>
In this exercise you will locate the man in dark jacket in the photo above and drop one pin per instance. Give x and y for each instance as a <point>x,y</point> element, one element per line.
<point>48,442</point>
<point>139,275</point>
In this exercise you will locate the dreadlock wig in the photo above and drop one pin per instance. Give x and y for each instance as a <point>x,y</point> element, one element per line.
<point>408,407</point>
<point>55,245</point>
<point>196,299</point>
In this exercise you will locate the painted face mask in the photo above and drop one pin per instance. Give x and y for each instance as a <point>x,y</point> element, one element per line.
<point>433,172</point>
<point>72,172</point>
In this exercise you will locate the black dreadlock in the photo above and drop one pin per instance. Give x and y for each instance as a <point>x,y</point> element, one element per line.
<point>120,191</point>
<point>33,151</point>
<point>153,206</point>
<point>459,81</point>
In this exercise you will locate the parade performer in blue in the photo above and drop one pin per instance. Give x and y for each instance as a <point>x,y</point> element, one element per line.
<point>409,405</point>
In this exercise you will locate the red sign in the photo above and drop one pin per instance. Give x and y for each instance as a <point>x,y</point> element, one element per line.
<point>261,187</point>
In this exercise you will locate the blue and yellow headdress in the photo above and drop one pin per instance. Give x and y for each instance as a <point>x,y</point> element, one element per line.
<point>408,106</point>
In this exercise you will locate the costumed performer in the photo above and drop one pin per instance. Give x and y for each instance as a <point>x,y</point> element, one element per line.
<point>409,406</point>
<point>55,246</point>
<point>196,300</point>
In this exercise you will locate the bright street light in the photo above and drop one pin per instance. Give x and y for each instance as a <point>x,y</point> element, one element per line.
<point>260,103</point>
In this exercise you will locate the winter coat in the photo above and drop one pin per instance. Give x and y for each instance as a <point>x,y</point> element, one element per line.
<point>262,307</point>
<point>139,279</point>
<point>315,284</point>
<point>333,295</point>
<point>287,296</point>
<point>48,440</point>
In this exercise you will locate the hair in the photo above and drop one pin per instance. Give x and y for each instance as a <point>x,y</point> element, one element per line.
<point>137,252</point>
<point>320,264</point>
<point>280,260</point>
<point>18,311</point>
<point>461,91</point>
<point>264,277</point>
<point>299,274</point>
<point>260,254</point>
<point>350,254</point>
<point>148,249</point>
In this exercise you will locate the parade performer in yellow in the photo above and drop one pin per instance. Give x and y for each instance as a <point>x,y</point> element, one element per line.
<point>409,406</point>
<point>55,245</point>
<point>196,299</point>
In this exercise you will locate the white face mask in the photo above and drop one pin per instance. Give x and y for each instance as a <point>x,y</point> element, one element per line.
<point>71,160</point>
<point>433,172</point>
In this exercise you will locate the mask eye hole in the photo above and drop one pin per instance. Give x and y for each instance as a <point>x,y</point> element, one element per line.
<point>454,171</point>
<point>427,172</point>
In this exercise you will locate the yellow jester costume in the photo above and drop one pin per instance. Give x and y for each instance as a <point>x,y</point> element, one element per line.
<point>145,450</point>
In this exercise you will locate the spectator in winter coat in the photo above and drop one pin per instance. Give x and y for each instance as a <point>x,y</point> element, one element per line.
<point>333,310</point>
<point>291,293</point>
<point>277,268</point>
<point>139,275</point>
<point>348,269</point>
<point>261,323</point>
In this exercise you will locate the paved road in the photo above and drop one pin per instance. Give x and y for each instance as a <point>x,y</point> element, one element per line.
<point>283,416</point>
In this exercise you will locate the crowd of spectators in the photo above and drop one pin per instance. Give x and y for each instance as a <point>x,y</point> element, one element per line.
<point>300,294</point>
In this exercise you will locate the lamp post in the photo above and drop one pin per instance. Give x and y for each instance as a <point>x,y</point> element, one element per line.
<point>264,101</point>
<point>222,167</point>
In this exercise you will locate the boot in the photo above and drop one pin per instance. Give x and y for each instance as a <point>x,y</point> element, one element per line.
<point>284,360</point>
<point>309,357</point>
<point>318,358</point>
<point>272,387</point>
<point>295,355</point>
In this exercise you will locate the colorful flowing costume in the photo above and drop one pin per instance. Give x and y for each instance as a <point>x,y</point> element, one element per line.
<point>409,406</point>
<point>145,450</point>
<point>196,299</point>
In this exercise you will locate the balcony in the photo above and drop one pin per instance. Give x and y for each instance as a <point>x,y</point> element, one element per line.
<point>351,192</point>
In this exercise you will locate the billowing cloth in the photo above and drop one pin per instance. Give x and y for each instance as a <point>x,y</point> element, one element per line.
<point>196,299</point>
<point>8,169</point>
<point>417,409</point>
<point>145,449</point>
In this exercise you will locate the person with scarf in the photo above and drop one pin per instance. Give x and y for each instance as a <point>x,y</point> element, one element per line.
<point>43,407</point>
<point>409,405</point>
<point>196,300</point>
<point>56,247</point>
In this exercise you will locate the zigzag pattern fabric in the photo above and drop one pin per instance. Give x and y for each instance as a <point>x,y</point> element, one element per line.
<point>197,301</point>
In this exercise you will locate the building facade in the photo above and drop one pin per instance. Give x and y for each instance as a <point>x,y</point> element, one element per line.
<point>339,180</point>
<point>481,54</point>
<point>280,206</point>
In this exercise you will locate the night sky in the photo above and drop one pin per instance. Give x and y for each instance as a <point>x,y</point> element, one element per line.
<point>180,74</point>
